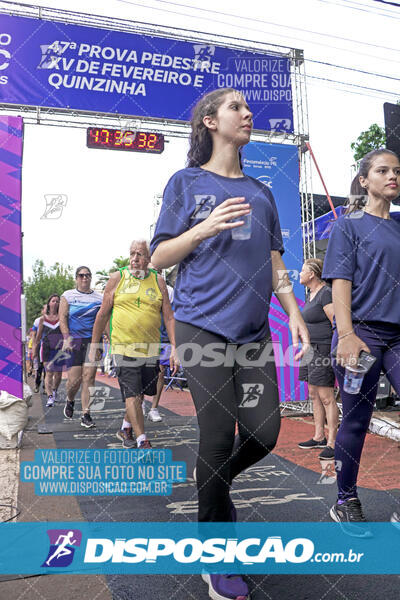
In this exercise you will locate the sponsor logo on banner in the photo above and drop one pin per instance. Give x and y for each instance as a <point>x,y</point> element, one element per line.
<point>51,54</point>
<point>203,52</point>
<point>5,56</point>
<point>168,74</point>
<point>63,543</point>
<point>280,124</point>
<point>266,180</point>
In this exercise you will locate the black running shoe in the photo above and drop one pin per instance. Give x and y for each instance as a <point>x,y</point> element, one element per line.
<point>328,453</point>
<point>351,518</point>
<point>69,409</point>
<point>310,444</point>
<point>87,421</point>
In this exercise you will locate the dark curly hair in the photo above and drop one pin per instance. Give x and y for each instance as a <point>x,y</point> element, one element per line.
<point>358,194</point>
<point>201,144</point>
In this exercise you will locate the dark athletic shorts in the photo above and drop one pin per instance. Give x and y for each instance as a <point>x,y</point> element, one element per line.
<point>79,352</point>
<point>136,378</point>
<point>319,370</point>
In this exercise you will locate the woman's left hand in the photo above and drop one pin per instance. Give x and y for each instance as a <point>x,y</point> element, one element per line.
<point>174,360</point>
<point>299,331</point>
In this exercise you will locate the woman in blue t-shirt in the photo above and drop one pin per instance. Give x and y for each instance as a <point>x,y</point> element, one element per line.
<point>221,302</point>
<point>363,263</point>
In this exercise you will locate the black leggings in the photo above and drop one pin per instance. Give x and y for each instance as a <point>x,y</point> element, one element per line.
<point>241,390</point>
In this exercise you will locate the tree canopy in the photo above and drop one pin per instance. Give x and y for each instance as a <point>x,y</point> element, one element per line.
<point>371,139</point>
<point>44,282</point>
<point>104,275</point>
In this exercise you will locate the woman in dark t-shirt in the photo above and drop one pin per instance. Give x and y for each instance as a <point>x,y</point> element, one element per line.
<point>222,295</point>
<point>362,261</point>
<point>317,368</point>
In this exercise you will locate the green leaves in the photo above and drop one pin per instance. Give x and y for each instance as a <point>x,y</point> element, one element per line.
<point>371,139</point>
<point>44,282</point>
<point>104,275</point>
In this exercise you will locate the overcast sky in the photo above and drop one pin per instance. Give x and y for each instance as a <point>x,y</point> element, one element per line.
<point>109,195</point>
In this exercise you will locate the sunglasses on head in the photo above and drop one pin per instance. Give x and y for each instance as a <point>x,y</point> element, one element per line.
<point>88,275</point>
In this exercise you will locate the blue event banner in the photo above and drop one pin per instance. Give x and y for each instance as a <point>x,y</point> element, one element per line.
<point>277,167</point>
<point>186,548</point>
<point>61,65</point>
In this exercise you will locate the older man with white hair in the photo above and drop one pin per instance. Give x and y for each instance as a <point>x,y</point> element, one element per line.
<point>134,299</point>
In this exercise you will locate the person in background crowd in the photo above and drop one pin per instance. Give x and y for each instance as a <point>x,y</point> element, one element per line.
<point>105,359</point>
<point>50,340</point>
<point>134,298</point>
<point>29,353</point>
<point>78,310</point>
<point>37,363</point>
<point>222,295</point>
<point>318,316</point>
<point>362,261</point>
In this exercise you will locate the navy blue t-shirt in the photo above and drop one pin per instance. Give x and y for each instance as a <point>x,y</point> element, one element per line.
<point>224,285</point>
<point>366,250</point>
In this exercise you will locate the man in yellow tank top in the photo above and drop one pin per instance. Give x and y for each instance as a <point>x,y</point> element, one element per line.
<point>133,301</point>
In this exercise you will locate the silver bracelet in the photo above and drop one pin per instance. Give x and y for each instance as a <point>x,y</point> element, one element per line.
<point>345,334</point>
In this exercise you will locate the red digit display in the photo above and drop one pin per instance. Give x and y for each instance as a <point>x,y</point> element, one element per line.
<point>117,139</point>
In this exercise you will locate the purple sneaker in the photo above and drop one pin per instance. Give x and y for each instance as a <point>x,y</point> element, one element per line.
<point>226,587</point>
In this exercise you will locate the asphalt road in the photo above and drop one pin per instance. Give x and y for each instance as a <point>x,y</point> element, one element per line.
<point>286,486</point>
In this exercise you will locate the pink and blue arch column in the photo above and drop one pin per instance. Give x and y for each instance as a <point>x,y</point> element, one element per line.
<point>11,143</point>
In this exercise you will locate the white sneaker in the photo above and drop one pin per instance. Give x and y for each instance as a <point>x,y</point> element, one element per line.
<point>154,415</point>
<point>50,401</point>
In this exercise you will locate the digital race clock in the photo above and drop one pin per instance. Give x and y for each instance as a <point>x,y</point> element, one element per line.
<point>119,139</point>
